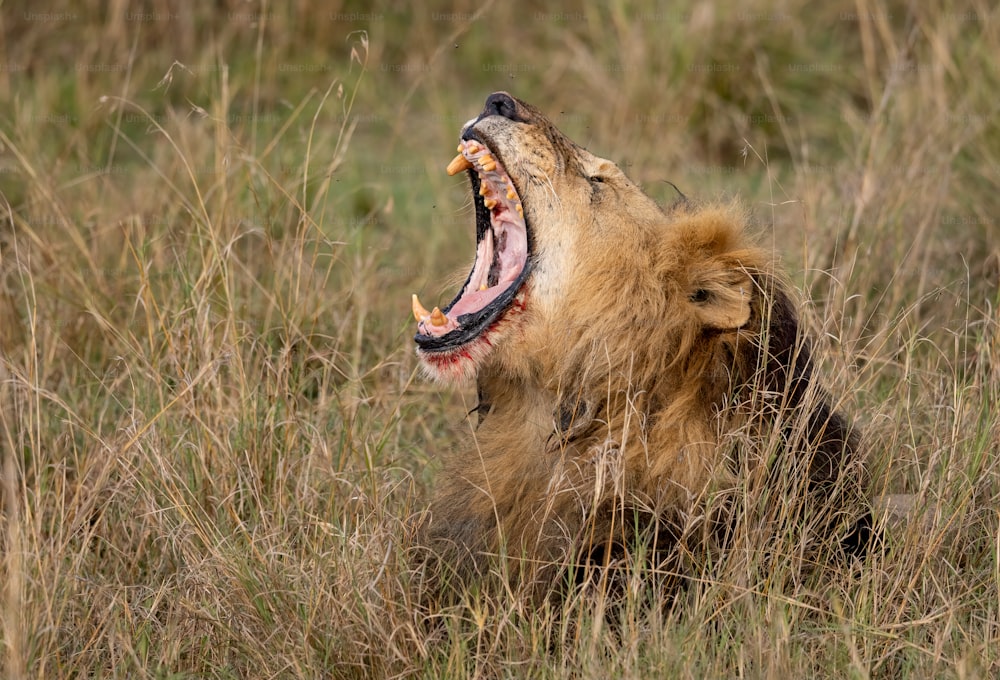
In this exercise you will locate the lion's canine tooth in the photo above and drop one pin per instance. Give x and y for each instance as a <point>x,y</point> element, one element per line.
<point>458,164</point>
<point>438,318</point>
<point>419,312</point>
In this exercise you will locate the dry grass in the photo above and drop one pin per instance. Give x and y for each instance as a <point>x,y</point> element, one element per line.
<point>212,434</point>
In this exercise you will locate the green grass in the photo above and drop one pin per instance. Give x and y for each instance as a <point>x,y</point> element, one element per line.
<point>213,432</point>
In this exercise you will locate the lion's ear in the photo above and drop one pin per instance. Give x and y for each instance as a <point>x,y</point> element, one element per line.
<point>721,298</point>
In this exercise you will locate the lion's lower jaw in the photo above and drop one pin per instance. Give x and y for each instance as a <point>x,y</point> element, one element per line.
<point>461,364</point>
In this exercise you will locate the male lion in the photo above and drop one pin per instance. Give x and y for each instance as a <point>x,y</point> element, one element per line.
<point>627,358</point>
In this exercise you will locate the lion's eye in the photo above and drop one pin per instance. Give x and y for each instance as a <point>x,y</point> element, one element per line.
<point>596,179</point>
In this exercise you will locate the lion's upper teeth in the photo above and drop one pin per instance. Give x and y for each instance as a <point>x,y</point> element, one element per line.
<point>458,164</point>
<point>420,313</point>
<point>490,203</point>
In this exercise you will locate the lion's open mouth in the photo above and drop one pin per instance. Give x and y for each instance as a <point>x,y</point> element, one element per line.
<point>501,264</point>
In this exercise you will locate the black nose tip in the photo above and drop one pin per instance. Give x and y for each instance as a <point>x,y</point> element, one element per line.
<point>501,104</point>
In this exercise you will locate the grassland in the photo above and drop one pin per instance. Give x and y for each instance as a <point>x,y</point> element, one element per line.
<point>211,426</point>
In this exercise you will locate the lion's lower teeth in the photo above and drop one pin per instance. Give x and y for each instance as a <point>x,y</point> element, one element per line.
<point>438,318</point>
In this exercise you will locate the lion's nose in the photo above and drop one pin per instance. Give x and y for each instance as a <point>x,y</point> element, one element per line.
<point>501,104</point>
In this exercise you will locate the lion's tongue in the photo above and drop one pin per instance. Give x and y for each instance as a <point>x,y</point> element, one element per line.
<point>477,295</point>
<point>474,301</point>
<point>513,248</point>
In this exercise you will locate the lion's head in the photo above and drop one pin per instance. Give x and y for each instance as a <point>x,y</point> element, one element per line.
<point>536,195</point>
<point>573,259</point>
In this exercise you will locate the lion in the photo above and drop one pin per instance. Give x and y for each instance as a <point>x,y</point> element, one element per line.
<point>623,353</point>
